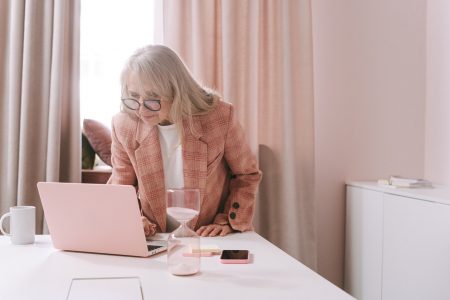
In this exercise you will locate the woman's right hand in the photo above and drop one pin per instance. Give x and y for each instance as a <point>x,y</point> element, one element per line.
<point>149,227</point>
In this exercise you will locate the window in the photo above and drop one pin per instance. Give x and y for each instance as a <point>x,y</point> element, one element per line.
<point>110,32</point>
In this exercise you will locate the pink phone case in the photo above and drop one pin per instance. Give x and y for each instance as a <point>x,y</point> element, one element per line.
<point>235,261</point>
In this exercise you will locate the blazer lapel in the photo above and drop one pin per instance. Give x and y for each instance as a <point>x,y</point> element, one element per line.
<point>151,171</point>
<point>195,159</point>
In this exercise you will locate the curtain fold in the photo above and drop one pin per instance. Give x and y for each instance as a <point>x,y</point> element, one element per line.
<point>39,89</point>
<point>258,54</point>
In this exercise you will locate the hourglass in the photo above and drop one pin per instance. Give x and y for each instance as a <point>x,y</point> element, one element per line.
<point>183,205</point>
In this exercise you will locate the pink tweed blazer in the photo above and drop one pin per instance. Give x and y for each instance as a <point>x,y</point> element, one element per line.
<point>217,160</point>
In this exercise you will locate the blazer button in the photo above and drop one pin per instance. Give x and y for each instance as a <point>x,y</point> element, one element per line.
<point>233,215</point>
<point>235,205</point>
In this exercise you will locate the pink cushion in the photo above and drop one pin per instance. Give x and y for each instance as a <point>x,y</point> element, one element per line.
<point>99,136</point>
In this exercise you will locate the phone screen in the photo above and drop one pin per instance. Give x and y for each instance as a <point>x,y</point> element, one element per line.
<point>234,254</point>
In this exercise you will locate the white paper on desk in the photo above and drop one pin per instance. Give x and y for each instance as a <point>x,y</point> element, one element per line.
<point>111,288</point>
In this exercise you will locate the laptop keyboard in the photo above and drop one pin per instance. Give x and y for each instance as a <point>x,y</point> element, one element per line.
<point>152,247</point>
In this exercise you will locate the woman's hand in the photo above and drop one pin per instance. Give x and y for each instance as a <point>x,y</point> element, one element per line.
<point>214,229</point>
<point>149,227</point>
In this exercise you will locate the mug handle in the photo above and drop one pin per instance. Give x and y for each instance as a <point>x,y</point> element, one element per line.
<point>1,223</point>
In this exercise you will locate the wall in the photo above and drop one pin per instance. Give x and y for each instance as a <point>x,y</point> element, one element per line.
<point>437,146</point>
<point>369,64</point>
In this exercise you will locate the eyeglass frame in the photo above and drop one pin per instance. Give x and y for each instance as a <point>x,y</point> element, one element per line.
<point>143,103</point>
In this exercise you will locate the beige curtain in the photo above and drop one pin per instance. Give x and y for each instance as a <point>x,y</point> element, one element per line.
<point>258,54</point>
<point>39,107</point>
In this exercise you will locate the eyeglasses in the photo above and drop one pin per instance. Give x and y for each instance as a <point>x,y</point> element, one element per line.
<point>150,104</point>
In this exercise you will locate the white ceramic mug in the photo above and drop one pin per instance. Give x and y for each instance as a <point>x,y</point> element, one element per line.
<point>22,224</point>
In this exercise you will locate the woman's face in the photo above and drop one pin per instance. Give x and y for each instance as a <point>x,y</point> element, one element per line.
<point>142,93</point>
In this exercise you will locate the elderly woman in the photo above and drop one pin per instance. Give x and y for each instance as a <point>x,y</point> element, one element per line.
<point>174,133</point>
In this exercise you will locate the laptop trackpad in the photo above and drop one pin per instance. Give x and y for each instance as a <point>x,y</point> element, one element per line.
<point>113,288</point>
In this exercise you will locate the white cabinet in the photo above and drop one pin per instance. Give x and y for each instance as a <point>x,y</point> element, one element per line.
<point>397,242</point>
<point>364,232</point>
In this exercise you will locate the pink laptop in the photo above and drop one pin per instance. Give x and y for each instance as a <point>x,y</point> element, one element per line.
<point>99,218</point>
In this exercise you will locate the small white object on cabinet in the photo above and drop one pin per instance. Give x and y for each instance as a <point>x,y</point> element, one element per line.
<point>397,242</point>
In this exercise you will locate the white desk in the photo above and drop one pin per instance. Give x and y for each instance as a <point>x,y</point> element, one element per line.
<point>39,271</point>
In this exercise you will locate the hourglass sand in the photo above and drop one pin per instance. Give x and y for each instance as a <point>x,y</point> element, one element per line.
<point>183,205</point>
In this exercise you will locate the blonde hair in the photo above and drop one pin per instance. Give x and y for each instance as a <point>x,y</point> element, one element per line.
<point>170,79</point>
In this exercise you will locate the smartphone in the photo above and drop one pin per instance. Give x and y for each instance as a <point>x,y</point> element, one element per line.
<point>234,257</point>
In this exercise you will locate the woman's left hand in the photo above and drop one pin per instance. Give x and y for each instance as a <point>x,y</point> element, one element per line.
<point>214,230</point>
<point>149,227</point>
